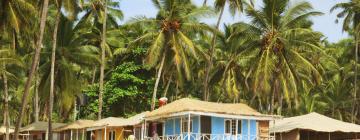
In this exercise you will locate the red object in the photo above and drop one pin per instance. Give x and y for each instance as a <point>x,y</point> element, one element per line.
<point>162,101</point>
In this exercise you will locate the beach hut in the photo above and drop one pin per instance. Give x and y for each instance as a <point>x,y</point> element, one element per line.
<point>134,125</point>
<point>3,132</point>
<point>117,128</point>
<point>38,131</point>
<point>190,119</point>
<point>75,130</point>
<point>110,128</point>
<point>314,126</point>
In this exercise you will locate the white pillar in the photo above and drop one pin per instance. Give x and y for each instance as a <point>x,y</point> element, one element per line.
<point>145,130</point>
<point>142,132</point>
<point>329,136</point>
<point>189,118</point>
<point>71,134</point>
<point>77,134</point>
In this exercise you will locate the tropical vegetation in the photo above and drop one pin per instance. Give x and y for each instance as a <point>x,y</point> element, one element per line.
<point>64,60</point>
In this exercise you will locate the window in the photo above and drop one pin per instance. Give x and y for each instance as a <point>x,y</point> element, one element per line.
<point>232,126</point>
<point>184,125</point>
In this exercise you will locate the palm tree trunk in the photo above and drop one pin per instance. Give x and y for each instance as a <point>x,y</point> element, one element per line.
<point>355,79</point>
<point>93,75</point>
<point>167,86</point>
<point>209,67</point>
<point>6,106</point>
<point>35,61</point>
<point>36,92</point>
<point>205,1</point>
<point>52,71</point>
<point>102,65</point>
<point>157,82</point>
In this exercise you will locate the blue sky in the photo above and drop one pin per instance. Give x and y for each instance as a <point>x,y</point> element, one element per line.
<point>325,23</point>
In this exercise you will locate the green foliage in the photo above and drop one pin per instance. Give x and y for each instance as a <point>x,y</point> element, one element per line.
<point>276,63</point>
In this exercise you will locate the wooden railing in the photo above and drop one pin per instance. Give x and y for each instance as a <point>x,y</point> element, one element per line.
<point>196,136</point>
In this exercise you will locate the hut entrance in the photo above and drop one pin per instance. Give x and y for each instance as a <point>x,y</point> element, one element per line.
<point>205,122</point>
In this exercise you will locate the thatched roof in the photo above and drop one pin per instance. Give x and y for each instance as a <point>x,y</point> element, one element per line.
<point>110,122</point>
<point>79,124</point>
<point>135,120</point>
<point>192,105</point>
<point>313,122</point>
<point>40,126</point>
<point>3,130</point>
<point>118,122</point>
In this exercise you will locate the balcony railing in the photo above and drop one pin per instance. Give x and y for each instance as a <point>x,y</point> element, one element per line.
<point>196,136</point>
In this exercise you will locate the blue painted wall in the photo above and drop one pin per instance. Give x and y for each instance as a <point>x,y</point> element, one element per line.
<point>177,126</point>
<point>169,127</point>
<point>171,130</point>
<point>217,125</point>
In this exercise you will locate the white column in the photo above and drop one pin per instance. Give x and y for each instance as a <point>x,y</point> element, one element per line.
<point>329,136</point>
<point>145,130</point>
<point>71,134</point>
<point>77,134</point>
<point>189,118</point>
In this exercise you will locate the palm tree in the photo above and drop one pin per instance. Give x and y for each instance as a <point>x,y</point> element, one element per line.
<point>71,60</point>
<point>284,39</point>
<point>233,54</point>
<point>93,13</point>
<point>234,6</point>
<point>171,44</point>
<point>7,58</point>
<point>70,7</point>
<point>351,14</point>
<point>14,14</point>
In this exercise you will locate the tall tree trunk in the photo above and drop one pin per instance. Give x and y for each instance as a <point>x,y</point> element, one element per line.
<point>6,105</point>
<point>36,92</point>
<point>52,71</point>
<point>157,82</point>
<point>167,86</point>
<point>34,63</point>
<point>93,75</point>
<point>355,79</point>
<point>102,65</point>
<point>36,100</point>
<point>209,67</point>
<point>205,1</point>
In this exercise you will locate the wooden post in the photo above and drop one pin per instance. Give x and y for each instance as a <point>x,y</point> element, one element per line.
<point>189,126</point>
<point>77,134</point>
<point>83,135</point>
<point>105,133</point>
<point>329,136</point>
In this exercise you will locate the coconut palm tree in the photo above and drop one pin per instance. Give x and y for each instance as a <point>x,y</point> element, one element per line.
<point>234,6</point>
<point>231,59</point>
<point>351,14</point>
<point>33,66</point>
<point>171,36</point>
<point>94,11</point>
<point>282,43</point>
<point>7,58</point>
<point>70,6</point>
<point>72,59</point>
